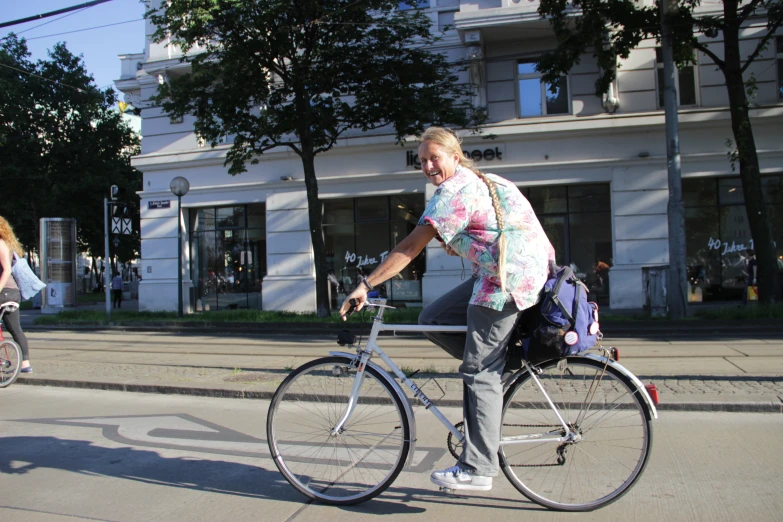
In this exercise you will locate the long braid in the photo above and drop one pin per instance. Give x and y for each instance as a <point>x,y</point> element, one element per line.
<point>501,226</point>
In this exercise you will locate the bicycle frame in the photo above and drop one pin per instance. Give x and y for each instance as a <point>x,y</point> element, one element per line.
<point>372,348</point>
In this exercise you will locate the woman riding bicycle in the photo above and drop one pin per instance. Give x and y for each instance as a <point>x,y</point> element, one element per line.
<point>9,290</point>
<point>486,220</point>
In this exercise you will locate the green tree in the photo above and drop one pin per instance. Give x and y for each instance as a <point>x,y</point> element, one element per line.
<point>301,73</point>
<point>611,29</point>
<point>61,147</point>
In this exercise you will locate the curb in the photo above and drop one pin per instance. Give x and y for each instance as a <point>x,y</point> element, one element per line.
<point>735,407</point>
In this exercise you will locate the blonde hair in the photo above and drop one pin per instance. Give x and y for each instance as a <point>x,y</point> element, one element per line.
<point>7,235</point>
<point>449,140</point>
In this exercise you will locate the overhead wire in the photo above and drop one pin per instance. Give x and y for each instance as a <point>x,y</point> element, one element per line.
<point>78,89</point>
<point>49,22</point>
<point>85,29</point>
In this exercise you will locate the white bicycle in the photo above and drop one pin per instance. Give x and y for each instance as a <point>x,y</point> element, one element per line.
<point>576,432</point>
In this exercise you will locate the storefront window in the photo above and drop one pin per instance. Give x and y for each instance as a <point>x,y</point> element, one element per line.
<point>577,220</point>
<point>718,236</point>
<point>228,256</point>
<point>360,232</point>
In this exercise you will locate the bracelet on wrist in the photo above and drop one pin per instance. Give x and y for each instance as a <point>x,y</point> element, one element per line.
<point>366,284</point>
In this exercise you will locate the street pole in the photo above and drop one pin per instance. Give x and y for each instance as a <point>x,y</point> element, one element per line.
<point>179,256</point>
<point>677,284</point>
<point>179,187</point>
<point>106,275</point>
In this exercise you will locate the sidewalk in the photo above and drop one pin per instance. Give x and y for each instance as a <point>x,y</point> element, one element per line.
<point>693,371</point>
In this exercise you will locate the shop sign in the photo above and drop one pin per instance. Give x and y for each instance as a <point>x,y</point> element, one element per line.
<point>166,203</point>
<point>364,261</point>
<point>716,244</point>
<point>479,155</point>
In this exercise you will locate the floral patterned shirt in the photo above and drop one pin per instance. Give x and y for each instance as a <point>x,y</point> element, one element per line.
<point>462,213</point>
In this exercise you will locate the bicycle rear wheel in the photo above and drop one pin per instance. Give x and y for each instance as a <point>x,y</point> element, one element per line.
<point>614,432</point>
<point>10,362</point>
<point>357,463</point>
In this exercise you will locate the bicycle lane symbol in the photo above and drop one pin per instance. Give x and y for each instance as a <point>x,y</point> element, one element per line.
<point>186,432</point>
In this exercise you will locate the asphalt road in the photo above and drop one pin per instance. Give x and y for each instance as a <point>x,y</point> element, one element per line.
<point>68,454</point>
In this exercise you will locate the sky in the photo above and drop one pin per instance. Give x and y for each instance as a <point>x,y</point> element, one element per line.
<point>99,47</point>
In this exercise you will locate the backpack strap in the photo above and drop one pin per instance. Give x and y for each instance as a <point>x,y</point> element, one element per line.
<point>566,275</point>
<point>577,295</point>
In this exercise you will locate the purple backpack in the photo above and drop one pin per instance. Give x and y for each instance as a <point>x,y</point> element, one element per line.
<point>566,322</point>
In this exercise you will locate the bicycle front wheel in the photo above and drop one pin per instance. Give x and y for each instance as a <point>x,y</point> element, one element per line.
<point>10,362</point>
<point>350,466</point>
<point>611,448</point>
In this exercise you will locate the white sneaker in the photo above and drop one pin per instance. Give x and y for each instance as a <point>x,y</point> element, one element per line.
<point>457,478</point>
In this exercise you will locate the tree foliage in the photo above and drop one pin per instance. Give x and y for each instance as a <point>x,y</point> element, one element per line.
<point>61,147</point>
<point>302,73</point>
<point>611,29</point>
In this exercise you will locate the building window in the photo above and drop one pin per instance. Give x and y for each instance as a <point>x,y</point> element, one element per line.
<point>360,232</point>
<point>537,97</point>
<point>718,235</point>
<point>446,20</point>
<point>685,81</point>
<point>779,49</point>
<point>228,256</point>
<point>578,222</point>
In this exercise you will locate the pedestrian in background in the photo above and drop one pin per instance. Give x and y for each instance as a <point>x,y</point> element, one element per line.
<point>9,291</point>
<point>751,274</point>
<point>116,289</point>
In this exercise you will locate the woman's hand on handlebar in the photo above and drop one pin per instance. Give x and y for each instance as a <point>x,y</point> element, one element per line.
<point>354,302</point>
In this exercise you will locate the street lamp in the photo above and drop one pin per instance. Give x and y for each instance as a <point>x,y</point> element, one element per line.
<point>179,187</point>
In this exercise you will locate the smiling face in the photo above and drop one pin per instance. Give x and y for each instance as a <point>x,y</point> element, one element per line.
<point>437,163</point>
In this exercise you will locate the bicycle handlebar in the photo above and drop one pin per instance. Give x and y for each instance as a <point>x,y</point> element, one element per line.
<point>354,303</point>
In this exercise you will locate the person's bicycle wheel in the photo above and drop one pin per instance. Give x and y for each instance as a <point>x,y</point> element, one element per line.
<point>10,362</point>
<point>348,467</point>
<point>610,452</point>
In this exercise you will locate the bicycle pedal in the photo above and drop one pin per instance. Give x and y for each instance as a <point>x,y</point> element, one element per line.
<point>448,491</point>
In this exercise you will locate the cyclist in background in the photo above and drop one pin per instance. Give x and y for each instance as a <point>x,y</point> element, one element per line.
<point>9,291</point>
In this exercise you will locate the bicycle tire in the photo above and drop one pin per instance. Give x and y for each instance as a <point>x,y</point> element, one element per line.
<point>10,362</point>
<point>355,465</point>
<point>611,417</point>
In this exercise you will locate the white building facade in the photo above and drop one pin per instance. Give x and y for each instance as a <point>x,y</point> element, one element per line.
<point>594,170</point>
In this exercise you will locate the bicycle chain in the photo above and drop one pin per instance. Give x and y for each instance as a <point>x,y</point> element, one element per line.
<point>561,461</point>
<point>533,425</point>
<point>453,447</point>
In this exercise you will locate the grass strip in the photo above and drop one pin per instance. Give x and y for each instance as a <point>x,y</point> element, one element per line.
<point>398,316</point>
<point>732,312</point>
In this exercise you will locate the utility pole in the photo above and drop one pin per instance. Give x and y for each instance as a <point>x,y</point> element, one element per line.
<point>677,283</point>
<point>106,276</point>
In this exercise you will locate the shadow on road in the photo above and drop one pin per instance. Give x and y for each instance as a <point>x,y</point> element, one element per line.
<point>79,456</point>
<point>21,455</point>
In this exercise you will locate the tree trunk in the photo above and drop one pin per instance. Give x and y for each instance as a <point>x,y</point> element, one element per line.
<point>768,276</point>
<point>677,297</point>
<point>316,231</point>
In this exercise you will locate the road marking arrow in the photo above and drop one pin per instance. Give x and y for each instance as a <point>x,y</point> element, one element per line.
<point>186,432</point>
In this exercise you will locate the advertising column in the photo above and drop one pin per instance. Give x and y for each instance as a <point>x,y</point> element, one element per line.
<point>58,264</point>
